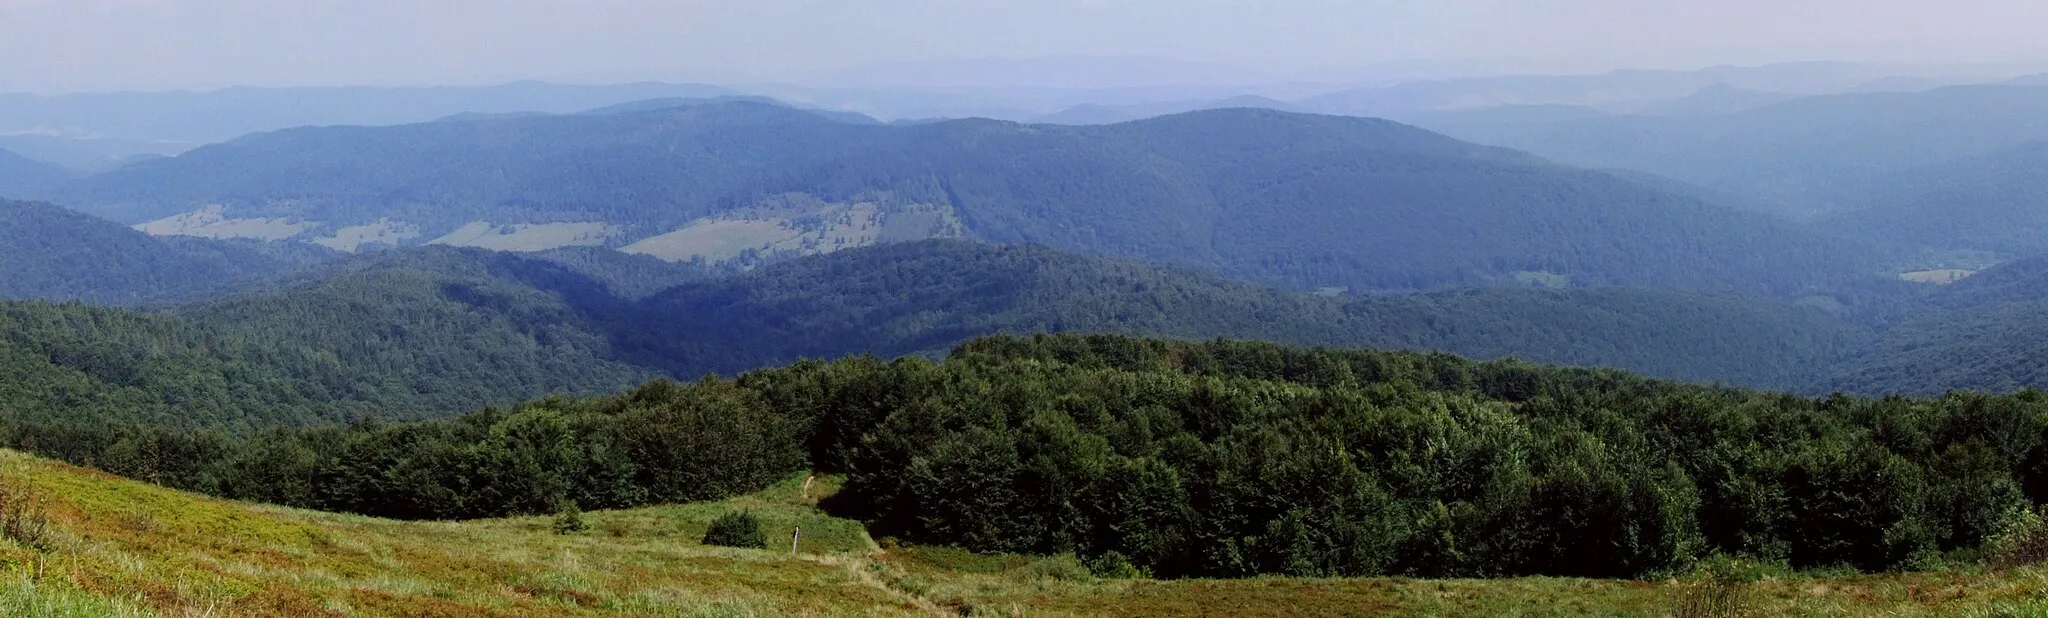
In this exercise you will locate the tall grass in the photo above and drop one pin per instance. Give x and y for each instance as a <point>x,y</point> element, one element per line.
<point>23,597</point>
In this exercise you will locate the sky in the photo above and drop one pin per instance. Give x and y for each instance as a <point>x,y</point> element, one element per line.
<point>51,46</point>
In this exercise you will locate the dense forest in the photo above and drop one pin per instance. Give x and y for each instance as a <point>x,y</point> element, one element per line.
<point>1295,200</point>
<point>1220,459</point>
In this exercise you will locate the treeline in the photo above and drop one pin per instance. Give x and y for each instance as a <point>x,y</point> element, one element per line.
<point>1217,459</point>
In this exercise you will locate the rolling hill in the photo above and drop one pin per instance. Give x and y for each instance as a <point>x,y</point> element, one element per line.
<point>1286,199</point>
<point>430,331</point>
<point>51,253</point>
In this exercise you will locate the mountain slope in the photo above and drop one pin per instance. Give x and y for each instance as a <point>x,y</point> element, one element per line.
<point>25,178</point>
<point>1814,153</point>
<point>1289,199</point>
<point>1996,202</point>
<point>55,254</point>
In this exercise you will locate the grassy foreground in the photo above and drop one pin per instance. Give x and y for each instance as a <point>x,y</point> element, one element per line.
<point>123,548</point>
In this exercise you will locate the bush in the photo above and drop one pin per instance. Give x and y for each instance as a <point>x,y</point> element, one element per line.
<point>740,529</point>
<point>1062,568</point>
<point>570,520</point>
<point>1113,565</point>
<point>2021,539</point>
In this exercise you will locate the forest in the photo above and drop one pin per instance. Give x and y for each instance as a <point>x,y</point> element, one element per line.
<point>1213,459</point>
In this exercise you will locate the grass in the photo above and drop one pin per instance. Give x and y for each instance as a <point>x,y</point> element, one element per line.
<point>122,548</point>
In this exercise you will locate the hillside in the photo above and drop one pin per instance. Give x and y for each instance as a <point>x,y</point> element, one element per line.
<point>120,537</point>
<point>25,178</point>
<point>1212,460</point>
<point>52,253</point>
<point>399,335</point>
<point>1285,199</point>
<point>1816,155</point>
<point>1996,202</point>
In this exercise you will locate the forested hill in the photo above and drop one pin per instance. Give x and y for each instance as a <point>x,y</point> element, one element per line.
<point>422,332</point>
<point>51,253</point>
<point>1984,333</point>
<point>25,178</point>
<point>1286,199</point>
<point>923,297</point>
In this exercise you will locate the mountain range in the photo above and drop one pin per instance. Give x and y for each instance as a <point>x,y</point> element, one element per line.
<point>1811,156</point>
<point>1297,200</point>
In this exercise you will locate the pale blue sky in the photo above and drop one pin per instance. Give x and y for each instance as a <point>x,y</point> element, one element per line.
<point>64,45</point>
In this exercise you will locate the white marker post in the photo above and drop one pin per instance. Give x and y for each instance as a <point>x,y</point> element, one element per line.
<point>793,538</point>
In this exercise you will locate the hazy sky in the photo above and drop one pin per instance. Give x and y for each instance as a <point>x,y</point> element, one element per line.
<point>64,45</point>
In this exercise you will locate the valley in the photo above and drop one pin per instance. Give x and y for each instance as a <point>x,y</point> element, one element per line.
<point>1704,343</point>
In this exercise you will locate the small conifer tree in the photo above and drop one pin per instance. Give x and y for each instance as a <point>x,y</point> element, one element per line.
<point>570,519</point>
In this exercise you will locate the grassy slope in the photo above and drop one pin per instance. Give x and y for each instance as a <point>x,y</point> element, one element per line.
<point>129,549</point>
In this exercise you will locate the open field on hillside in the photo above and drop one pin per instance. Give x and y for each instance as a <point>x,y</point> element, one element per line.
<point>123,548</point>
<point>1939,277</point>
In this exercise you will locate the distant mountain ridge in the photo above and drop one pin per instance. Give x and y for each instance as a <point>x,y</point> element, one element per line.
<point>1816,154</point>
<point>233,112</point>
<point>1291,199</point>
<point>25,178</point>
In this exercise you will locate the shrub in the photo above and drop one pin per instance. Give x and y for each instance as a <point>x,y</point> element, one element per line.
<point>2020,539</point>
<point>1062,568</point>
<point>570,520</point>
<point>1113,565</point>
<point>737,529</point>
